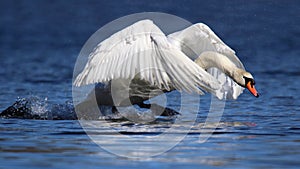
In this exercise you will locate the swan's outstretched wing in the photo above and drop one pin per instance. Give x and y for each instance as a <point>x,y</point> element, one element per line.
<point>199,38</point>
<point>142,49</point>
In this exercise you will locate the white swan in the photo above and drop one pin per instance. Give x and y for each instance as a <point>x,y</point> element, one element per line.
<point>190,60</point>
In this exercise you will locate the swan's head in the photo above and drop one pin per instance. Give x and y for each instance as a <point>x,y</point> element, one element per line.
<point>246,80</point>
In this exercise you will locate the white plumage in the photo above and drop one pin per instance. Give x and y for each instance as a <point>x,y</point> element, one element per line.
<point>143,51</point>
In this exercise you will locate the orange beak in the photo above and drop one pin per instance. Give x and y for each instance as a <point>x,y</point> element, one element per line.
<point>252,89</point>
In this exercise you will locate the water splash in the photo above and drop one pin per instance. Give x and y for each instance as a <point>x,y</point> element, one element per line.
<point>35,107</point>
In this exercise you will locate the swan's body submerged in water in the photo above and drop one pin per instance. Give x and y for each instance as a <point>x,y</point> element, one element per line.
<point>142,57</point>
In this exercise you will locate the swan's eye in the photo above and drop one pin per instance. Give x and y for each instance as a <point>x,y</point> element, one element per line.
<point>247,80</point>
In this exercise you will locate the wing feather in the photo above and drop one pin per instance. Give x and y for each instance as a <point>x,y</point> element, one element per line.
<point>143,49</point>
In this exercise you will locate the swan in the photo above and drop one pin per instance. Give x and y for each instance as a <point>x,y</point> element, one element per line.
<point>142,57</point>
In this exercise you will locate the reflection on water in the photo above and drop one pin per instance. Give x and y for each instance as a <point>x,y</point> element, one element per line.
<point>40,143</point>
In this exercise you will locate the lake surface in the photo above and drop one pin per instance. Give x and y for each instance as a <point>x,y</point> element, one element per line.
<point>40,41</point>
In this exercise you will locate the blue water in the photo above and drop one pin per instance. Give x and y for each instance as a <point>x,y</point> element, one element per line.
<point>39,44</point>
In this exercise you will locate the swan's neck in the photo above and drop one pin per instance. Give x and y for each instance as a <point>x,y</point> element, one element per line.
<point>213,59</point>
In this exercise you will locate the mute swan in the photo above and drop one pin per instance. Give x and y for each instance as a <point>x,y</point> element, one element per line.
<point>190,60</point>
